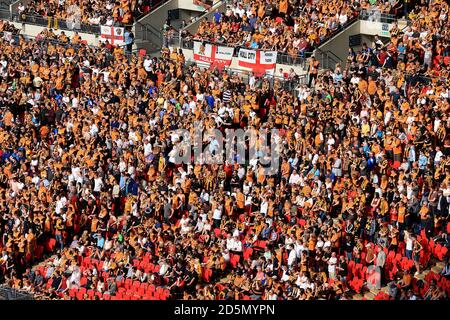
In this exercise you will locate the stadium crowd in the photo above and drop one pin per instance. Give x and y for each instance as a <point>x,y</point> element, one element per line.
<point>92,12</point>
<point>291,27</point>
<point>88,183</point>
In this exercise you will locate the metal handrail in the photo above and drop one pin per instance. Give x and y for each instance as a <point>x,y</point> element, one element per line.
<point>137,18</point>
<point>151,11</point>
<point>5,14</point>
<point>43,40</point>
<point>282,58</point>
<point>333,56</point>
<point>203,15</point>
<point>64,24</point>
<point>6,3</point>
<point>147,29</point>
<point>61,23</point>
<point>287,84</point>
<point>8,293</point>
<point>376,15</point>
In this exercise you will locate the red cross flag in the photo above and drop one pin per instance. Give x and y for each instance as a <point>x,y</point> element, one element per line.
<point>113,34</point>
<point>260,62</point>
<point>213,55</point>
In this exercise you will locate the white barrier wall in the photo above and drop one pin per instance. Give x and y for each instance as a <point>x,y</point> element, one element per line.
<point>189,55</point>
<point>190,5</point>
<point>33,31</point>
<point>376,28</point>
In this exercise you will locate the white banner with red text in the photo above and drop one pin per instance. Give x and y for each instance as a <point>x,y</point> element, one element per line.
<point>213,55</point>
<point>258,61</point>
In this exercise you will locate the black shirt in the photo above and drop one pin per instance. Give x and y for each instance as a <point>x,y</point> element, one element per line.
<point>56,282</point>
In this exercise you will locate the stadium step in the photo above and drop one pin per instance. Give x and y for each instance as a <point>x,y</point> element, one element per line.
<point>385,289</point>
<point>369,295</point>
<point>422,275</point>
<point>436,269</point>
<point>152,49</point>
<point>357,297</point>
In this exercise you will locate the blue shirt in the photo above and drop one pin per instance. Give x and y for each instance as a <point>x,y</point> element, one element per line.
<point>338,77</point>
<point>132,187</point>
<point>366,149</point>
<point>122,182</point>
<point>127,38</point>
<point>153,89</point>
<point>254,45</point>
<point>210,100</point>
<point>423,161</point>
<point>412,155</point>
<point>100,242</point>
<point>5,156</point>
<point>217,17</point>
<point>371,162</point>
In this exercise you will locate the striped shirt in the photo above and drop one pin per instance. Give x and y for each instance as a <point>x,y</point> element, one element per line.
<point>226,96</point>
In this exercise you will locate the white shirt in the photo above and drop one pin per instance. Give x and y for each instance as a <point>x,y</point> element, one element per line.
<point>332,265</point>
<point>93,129</point>
<point>264,207</point>
<point>148,64</point>
<point>239,11</point>
<point>108,244</point>
<point>199,226</point>
<point>98,184</point>
<point>184,222</point>
<point>343,19</point>
<point>438,156</point>
<point>122,166</point>
<point>147,149</point>
<point>330,143</point>
<point>163,269</point>
<point>234,245</point>
<point>109,22</point>
<point>292,257</point>
<point>205,197</point>
<point>294,178</point>
<point>60,204</point>
<point>217,215</point>
<point>409,243</point>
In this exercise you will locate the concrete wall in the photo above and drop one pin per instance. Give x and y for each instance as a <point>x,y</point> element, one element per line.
<point>193,27</point>
<point>157,17</point>
<point>13,6</point>
<point>339,43</point>
<point>186,15</point>
<point>33,31</point>
<point>378,28</point>
<point>189,5</point>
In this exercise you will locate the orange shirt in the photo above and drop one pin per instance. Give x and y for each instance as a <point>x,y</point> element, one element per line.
<point>372,87</point>
<point>283,6</point>
<point>240,199</point>
<point>401,214</point>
